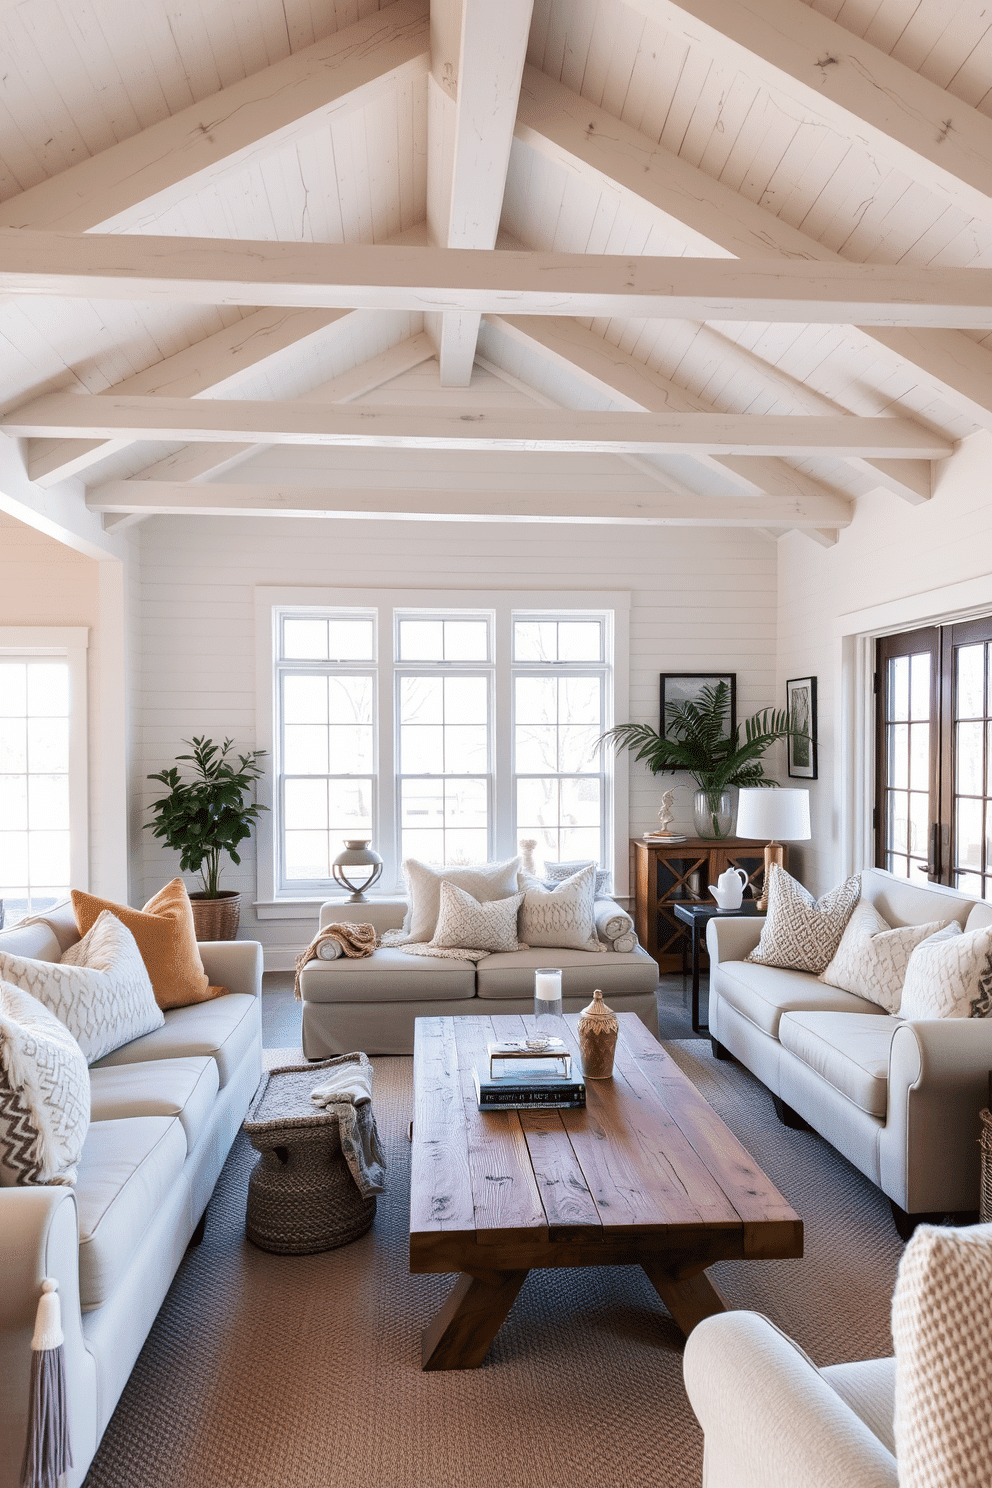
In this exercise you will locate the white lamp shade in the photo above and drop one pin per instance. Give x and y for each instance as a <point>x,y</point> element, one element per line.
<point>773,815</point>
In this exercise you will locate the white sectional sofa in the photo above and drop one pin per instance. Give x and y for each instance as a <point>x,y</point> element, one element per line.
<point>371,1004</point>
<point>899,1099</point>
<point>165,1110</point>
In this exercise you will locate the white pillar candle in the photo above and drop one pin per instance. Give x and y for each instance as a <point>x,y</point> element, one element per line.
<point>547,986</point>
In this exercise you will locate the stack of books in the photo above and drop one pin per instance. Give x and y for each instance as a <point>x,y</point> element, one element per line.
<point>537,1081</point>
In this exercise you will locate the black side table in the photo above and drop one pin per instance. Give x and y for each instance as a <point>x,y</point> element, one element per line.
<point>696,917</point>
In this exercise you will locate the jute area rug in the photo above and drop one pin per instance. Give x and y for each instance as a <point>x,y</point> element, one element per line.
<point>268,1371</point>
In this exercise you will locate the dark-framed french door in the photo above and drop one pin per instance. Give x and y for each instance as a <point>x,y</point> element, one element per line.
<point>933,803</point>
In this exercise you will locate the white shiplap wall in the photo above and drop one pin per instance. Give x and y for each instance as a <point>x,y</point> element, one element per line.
<point>896,566</point>
<point>699,599</point>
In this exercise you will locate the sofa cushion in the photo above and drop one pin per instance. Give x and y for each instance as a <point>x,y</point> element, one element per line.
<point>763,993</point>
<point>505,976</point>
<point>186,1088</point>
<point>127,1168</point>
<point>223,1029</point>
<point>390,975</point>
<point>850,1051</point>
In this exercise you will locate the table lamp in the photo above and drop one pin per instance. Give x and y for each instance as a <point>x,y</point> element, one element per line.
<point>779,815</point>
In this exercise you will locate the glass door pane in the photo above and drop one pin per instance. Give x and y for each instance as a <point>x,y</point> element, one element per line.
<point>970,665</point>
<point>908,667</point>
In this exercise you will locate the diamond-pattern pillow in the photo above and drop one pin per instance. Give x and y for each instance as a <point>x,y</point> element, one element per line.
<point>562,918</point>
<point>873,955</point>
<point>463,921</point>
<point>100,990</point>
<point>44,1093</point>
<point>942,1330</point>
<point>801,933</point>
<point>950,977</point>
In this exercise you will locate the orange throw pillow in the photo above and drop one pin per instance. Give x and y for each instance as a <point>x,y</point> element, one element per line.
<point>166,939</point>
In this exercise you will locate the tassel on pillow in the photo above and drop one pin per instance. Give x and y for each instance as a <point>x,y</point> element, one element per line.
<point>47,1454</point>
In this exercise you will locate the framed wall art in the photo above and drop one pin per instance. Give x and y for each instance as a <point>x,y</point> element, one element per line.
<point>800,699</point>
<point>687,687</point>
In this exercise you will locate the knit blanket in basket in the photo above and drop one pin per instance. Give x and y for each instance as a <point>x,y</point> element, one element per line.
<point>354,940</point>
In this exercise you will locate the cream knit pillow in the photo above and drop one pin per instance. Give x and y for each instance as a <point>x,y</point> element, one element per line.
<point>872,957</point>
<point>562,918</point>
<point>465,922</point>
<point>800,933</point>
<point>950,977</point>
<point>942,1330</point>
<point>484,881</point>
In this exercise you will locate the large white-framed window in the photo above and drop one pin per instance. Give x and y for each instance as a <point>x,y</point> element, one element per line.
<point>43,767</point>
<point>459,723</point>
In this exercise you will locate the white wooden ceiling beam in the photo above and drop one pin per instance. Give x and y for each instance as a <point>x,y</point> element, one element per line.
<point>477,58</point>
<point>198,461</point>
<point>180,155</point>
<point>62,514</point>
<point>168,498</point>
<point>216,363</point>
<point>381,277</point>
<point>253,422</point>
<point>842,81</point>
<point>711,218</point>
<point>612,371</point>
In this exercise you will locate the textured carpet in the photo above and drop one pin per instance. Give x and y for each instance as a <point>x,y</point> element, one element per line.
<point>267,1371</point>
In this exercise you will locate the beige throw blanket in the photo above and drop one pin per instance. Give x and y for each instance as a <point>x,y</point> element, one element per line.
<point>355,941</point>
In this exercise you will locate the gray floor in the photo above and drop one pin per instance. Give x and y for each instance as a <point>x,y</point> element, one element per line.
<point>281,1011</point>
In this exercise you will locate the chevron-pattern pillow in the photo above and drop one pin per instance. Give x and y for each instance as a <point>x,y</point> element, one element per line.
<point>44,1093</point>
<point>100,990</point>
<point>801,933</point>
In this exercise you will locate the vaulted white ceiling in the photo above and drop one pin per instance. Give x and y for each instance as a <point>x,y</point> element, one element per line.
<point>524,346</point>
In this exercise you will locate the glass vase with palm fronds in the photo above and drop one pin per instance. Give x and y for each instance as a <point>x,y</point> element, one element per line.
<point>698,740</point>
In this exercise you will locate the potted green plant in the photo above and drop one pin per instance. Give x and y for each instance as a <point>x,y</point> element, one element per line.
<point>697,741</point>
<point>205,816</point>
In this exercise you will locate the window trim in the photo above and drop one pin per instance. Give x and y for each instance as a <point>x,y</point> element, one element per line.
<point>501,603</point>
<point>69,643</point>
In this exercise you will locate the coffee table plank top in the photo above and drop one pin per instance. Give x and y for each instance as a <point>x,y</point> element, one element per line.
<point>441,1181</point>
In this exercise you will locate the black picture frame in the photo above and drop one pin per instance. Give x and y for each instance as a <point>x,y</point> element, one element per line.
<point>800,699</point>
<point>683,687</point>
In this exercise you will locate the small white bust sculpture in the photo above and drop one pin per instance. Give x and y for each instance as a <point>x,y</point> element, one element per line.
<point>666,815</point>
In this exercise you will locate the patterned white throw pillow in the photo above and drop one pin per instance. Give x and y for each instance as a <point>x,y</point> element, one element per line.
<point>484,881</point>
<point>942,1330</point>
<point>555,873</point>
<point>801,933</point>
<point>100,989</point>
<point>44,1093</point>
<point>562,918</point>
<point>873,955</point>
<point>463,921</point>
<point>950,976</point>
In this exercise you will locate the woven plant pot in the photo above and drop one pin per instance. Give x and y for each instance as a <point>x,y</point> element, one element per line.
<point>216,919</point>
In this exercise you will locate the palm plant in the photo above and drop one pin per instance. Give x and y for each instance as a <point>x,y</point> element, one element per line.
<point>696,742</point>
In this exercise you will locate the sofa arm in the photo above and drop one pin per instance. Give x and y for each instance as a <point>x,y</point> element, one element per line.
<point>938,1083</point>
<point>39,1237</point>
<point>731,939</point>
<point>234,964</point>
<point>769,1417</point>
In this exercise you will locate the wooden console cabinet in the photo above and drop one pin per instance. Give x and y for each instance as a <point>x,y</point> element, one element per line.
<point>665,873</point>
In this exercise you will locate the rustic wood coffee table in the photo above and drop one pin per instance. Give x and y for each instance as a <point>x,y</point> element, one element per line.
<point>646,1175</point>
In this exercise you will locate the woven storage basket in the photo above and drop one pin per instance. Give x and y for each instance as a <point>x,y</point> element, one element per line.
<point>301,1195</point>
<point>985,1197</point>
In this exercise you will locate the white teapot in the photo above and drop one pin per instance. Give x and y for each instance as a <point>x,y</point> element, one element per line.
<point>728,891</point>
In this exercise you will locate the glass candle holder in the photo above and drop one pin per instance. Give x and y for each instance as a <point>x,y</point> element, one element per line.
<point>547,998</point>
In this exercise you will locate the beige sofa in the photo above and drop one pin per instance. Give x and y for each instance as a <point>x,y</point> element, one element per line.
<point>165,1110</point>
<point>899,1099</point>
<point>371,1004</point>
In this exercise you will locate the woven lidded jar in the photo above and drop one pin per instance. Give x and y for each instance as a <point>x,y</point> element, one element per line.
<point>598,1029</point>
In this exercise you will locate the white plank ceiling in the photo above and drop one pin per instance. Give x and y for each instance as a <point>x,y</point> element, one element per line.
<point>643,129</point>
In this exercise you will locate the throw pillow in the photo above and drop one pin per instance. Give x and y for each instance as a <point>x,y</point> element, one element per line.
<point>942,1331</point>
<point>166,939</point>
<point>801,933</point>
<point>100,990</point>
<point>873,955</point>
<point>463,921</point>
<point>562,918</point>
<point>44,1093</point>
<point>557,873</point>
<point>950,977</point>
<point>484,881</point>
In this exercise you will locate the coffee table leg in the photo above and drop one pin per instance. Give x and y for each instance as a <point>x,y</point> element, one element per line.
<point>460,1335</point>
<point>689,1299</point>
